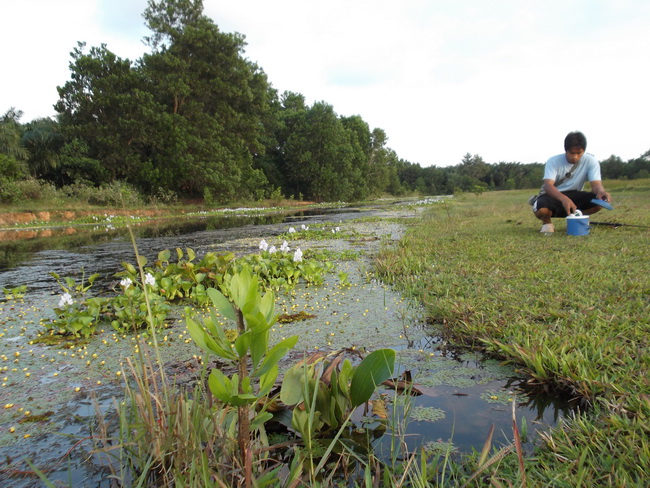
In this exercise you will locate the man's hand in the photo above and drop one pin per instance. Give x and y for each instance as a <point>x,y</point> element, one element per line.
<point>568,205</point>
<point>599,190</point>
<point>603,195</point>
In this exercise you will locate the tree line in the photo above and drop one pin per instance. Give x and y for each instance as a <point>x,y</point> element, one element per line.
<point>194,118</point>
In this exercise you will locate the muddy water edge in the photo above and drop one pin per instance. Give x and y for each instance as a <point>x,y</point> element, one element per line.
<point>50,394</point>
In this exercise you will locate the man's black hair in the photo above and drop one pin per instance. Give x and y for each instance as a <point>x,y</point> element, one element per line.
<point>574,139</point>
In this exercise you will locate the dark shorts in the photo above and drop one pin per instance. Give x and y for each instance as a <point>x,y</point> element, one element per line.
<point>582,199</point>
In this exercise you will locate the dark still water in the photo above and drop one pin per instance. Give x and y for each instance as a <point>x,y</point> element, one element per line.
<point>27,256</point>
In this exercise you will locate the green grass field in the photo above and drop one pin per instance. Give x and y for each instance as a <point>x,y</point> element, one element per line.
<point>573,310</point>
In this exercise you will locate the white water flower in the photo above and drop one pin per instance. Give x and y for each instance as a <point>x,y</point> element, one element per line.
<point>304,227</point>
<point>149,279</point>
<point>297,256</point>
<point>291,230</point>
<point>338,229</point>
<point>272,250</point>
<point>126,282</point>
<point>264,245</point>
<point>66,299</point>
<point>285,247</point>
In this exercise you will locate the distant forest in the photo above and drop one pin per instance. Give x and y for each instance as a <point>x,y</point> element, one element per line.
<point>194,118</point>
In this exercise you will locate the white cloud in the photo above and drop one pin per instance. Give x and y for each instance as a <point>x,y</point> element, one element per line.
<point>505,80</point>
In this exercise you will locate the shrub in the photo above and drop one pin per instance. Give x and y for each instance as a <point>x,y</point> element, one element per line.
<point>25,191</point>
<point>12,169</point>
<point>116,193</point>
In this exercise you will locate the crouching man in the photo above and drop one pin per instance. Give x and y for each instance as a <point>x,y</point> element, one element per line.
<point>564,178</point>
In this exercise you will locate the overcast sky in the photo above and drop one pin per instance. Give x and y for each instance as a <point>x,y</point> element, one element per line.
<point>503,79</point>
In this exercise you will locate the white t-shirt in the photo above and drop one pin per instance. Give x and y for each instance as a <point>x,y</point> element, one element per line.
<point>557,167</point>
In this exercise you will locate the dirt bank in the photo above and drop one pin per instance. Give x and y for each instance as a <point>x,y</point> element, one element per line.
<point>8,219</point>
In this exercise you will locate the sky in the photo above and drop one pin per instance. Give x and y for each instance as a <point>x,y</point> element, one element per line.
<point>505,80</point>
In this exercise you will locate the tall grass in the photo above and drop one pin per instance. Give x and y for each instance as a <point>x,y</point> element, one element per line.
<point>574,311</point>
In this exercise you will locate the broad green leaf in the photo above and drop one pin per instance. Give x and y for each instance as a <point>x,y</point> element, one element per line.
<point>142,261</point>
<point>196,333</point>
<point>259,346</point>
<point>256,322</point>
<point>222,303</point>
<point>267,380</point>
<point>164,255</point>
<point>291,390</point>
<point>242,399</point>
<point>242,343</point>
<point>199,277</point>
<point>344,377</point>
<point>276,353</point>
<point>267,306</point>
<point>259,421</point>
<point>190,254</point>
<point>129,267</point>
<point>237,287</point>
<point>219,347</point>
<point>179,253</point>
<point>212,324</point>
<point>220,386</point>
<point>246,385</point>
<point>252,296</point>
<point>374,369</point>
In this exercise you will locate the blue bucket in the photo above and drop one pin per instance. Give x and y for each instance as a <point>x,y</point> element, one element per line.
<point>577,224</point>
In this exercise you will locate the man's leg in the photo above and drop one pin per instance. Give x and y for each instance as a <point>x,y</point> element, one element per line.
<point>544,214</point>
<point>592,210</point>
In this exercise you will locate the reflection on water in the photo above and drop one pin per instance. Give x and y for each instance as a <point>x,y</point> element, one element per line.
<point>474,393</point>
<point>27,256</point>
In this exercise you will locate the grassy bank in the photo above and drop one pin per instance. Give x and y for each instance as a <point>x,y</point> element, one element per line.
<point>575,311</point>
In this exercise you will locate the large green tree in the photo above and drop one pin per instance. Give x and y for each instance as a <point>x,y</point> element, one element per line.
<point>216,100</point>
<point>43,140</point>
<point>319,155</point>
<point>189,116</point>
<point>107,105</point>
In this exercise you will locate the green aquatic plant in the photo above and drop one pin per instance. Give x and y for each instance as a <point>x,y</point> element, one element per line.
<point>131,310</point>
<point>322,392</point>
<point>185,278</point>
<point>439,447</point>
<point>71,287</point>
<point>255,363</point>
<point>317,232</point>
<point>427,414</point>
<point>281,269</point>
<point>15,293</point>
<point>77,315</point>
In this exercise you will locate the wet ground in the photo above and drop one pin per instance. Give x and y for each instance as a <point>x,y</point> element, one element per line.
<point>50,393</point>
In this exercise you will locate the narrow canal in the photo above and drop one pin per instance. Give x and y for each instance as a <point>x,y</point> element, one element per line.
<point>51,394</point>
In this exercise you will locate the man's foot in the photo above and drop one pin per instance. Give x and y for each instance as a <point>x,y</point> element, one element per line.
<point>548,229</point>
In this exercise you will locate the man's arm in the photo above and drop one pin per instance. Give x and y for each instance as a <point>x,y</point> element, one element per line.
<point>553,192</point>
<point>598,188</point>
